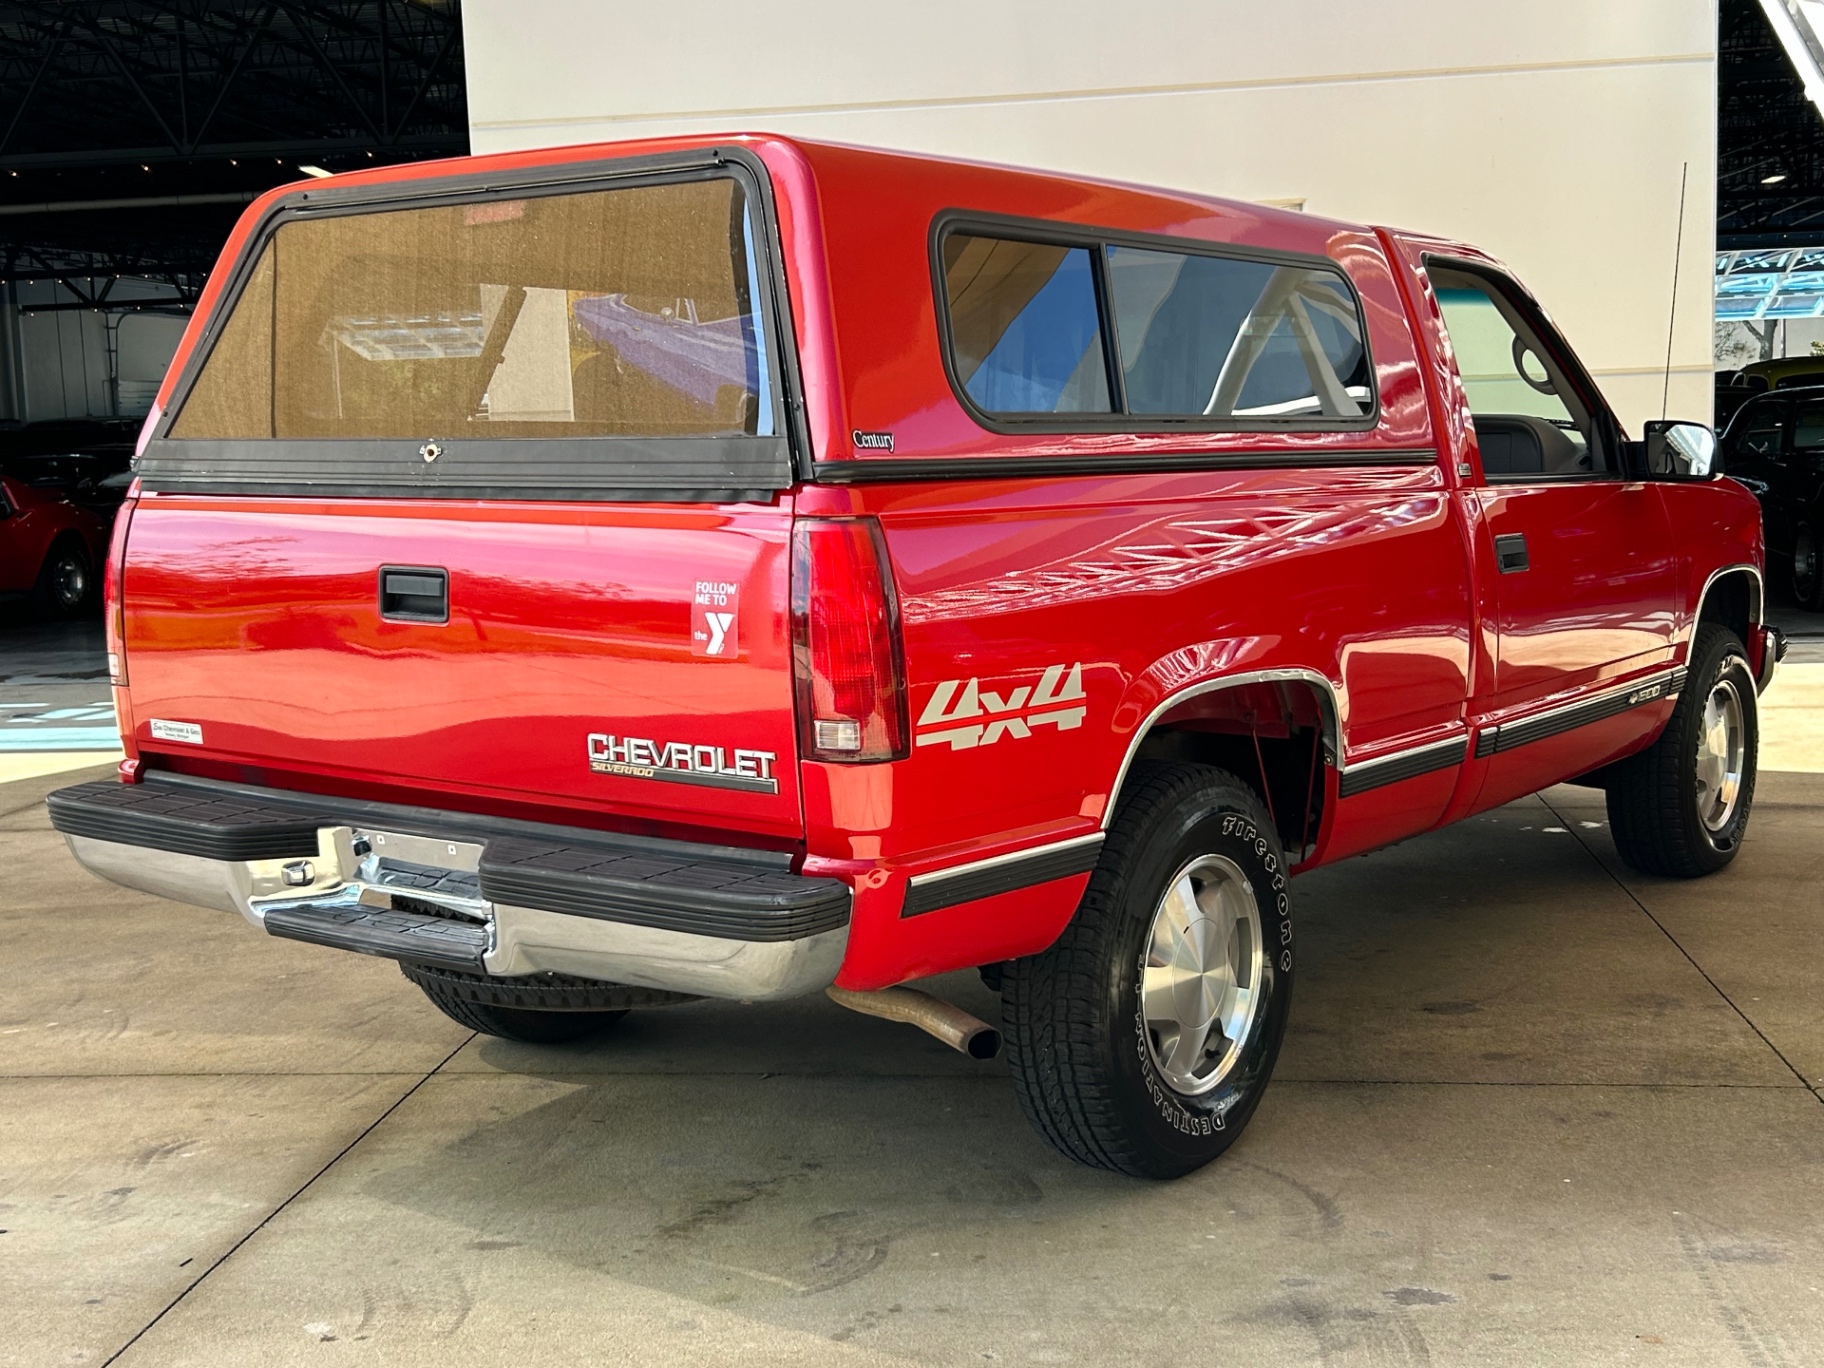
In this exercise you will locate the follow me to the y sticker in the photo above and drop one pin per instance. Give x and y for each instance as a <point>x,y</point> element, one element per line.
<point>714,607</point>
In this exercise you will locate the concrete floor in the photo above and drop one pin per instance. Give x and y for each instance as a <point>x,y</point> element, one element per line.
<point>1533,1110</point>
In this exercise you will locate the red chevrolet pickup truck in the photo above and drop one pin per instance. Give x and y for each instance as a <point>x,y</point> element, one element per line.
<point>743,567</point>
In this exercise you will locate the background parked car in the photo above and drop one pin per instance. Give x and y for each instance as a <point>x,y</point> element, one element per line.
<point>86,460</point>
<point>1736,388</point>
<point>1775,446</point>
<point>51,550</point>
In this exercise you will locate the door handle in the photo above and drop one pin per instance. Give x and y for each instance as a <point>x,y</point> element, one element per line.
<point>1510,552</point>
<point>414,593</point>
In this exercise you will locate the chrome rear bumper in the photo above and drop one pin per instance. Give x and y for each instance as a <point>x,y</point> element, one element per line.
<point>520,900</point>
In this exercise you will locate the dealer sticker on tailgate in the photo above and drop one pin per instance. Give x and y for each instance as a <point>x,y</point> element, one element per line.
<point>189,732</point>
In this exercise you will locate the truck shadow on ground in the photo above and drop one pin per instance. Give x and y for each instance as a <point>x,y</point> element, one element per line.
<point>741,1155</point>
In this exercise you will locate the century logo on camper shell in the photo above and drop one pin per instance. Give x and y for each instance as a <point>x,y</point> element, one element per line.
<point>683,762</point>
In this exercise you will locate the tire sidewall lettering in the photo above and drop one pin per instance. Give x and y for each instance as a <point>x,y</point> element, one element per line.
<point>1238,836</point>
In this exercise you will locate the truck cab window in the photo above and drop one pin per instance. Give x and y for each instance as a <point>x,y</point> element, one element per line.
<point>1530,423</point>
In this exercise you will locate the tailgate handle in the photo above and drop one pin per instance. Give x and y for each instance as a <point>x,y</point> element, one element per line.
<point>414,593</point>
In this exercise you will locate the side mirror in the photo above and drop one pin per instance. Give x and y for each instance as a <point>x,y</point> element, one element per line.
<point>1678,451</point>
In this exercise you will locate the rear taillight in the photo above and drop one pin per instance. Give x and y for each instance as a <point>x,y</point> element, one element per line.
<point>113,615</point>
<point>845,643</point>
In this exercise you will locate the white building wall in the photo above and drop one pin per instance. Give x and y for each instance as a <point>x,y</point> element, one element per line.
<point>1553,133</point>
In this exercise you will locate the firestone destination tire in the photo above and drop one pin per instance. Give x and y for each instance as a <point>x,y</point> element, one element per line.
<point>1143,1039</point>
<point>1681,806</point>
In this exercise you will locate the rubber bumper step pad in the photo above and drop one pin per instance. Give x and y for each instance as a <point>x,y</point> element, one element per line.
<point>700,897</point>
<point>185,821</point>
<point>386,932</point>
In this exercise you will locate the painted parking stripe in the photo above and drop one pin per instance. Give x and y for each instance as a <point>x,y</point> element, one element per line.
<point>31,740</point>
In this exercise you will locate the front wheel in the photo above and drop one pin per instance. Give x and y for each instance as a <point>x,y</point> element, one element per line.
<point>1142,1040</point>
<point>1680,807</point>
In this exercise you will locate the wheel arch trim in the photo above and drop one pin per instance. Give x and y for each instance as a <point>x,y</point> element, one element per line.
<point>1331,707</point>
<point>1757,597</point>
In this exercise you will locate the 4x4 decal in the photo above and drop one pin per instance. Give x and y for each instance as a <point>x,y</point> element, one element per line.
<point>1055,702</point>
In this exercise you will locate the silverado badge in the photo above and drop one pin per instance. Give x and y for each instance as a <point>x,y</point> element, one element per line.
<point>681,762</point>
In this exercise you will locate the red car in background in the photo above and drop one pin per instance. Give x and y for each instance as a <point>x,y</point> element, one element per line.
<point>51,551</point>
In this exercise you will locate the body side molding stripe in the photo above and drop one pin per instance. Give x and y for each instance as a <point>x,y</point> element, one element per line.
<point>1001,874</point>
<point>1406,764</point>
<point>1568,717</point>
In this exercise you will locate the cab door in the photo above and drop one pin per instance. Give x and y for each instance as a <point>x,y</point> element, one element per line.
<point>1581,557</point>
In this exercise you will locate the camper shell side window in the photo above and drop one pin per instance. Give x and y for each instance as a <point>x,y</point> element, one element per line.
<point>1081,330</point>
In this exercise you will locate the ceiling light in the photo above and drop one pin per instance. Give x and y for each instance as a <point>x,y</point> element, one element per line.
<point>1774,179</point>
<point>1799,25</point>
<point>314,170</point>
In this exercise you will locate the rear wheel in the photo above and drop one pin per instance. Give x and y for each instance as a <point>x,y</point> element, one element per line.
<point>1807,568</point>
<point>1142,1040</point>
<point>1680,807</point>
<point>531,1027</point>
<point>541,1009</point>
<point>63,586</point>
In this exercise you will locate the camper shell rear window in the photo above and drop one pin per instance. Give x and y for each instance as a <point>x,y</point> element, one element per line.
<point>557,341</point>
<point>1080,330</point>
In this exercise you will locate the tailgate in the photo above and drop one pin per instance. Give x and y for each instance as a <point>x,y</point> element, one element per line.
<point>619,659</point>
<point>479,486</point>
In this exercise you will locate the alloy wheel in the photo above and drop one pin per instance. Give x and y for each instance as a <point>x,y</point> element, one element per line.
<point>1200,983</point>
<point>1722,748</point>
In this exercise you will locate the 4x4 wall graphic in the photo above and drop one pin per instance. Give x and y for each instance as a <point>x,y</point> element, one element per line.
<point>1055,702</point>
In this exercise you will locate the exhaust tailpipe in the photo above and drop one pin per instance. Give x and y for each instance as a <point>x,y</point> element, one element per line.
<point>935,1017</point>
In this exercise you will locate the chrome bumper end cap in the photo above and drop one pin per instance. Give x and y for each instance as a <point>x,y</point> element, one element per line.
<point>1773,651</point>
